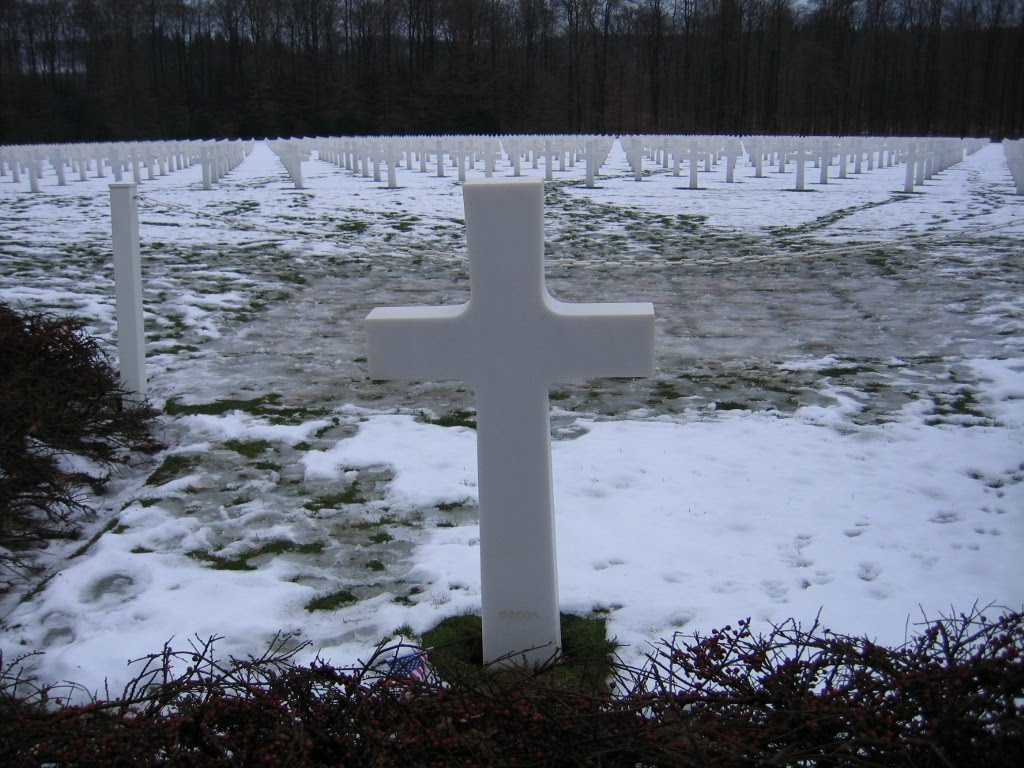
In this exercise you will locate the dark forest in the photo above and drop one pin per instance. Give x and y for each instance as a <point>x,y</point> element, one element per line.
<point>95,70</point>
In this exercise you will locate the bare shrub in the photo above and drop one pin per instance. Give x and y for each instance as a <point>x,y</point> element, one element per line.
<point>951,696</point>
<point>63,426</point>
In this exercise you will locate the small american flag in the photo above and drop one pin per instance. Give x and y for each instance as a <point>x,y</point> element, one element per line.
<point>411,666</point>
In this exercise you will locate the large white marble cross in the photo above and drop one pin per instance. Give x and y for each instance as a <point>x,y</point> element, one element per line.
<point>510,342</point>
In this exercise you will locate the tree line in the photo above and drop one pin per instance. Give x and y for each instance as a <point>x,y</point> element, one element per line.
<point>91,70</point>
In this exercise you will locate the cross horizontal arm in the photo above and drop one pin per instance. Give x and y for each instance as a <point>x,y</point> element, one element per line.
<point>592,340</point>
<point>425,343</point>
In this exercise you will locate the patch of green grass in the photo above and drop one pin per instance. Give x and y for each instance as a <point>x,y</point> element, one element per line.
<point>175,465</point>
<point>965,403</point>
<point>255,406</point>
<point>218,563</point>
<point>354,226</point>
<point>325,429</point>
<point>266,405</point>
<point>375,565</point>
<point>407,632</point>
<point>456,418</point>
<point>381,537</point>
<point>242,206</point>
<point>584,664</point>
<point>110,526</point>
<point>331,601</point>
<point>248,448</point>
<point>448,506</point>
<point>729,405</point>
<point>176,321</point>
<point>844,370</point>
<point>962,403</point>
<point>280,546</point>
<point>176,349</point>
<point>666,390</point>
<point>240,562</point>
<point>457,641</point>
<point>366,525</point>
<point>293,277</point>
<point>268,465</point>
<point>350,495</point>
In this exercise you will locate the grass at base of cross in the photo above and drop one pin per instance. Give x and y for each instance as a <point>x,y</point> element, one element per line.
<point>585,664</point>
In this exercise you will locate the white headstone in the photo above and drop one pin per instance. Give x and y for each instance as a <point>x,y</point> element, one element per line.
<point>510,342</point>
<point>911,159</point>
<point>131,343</point>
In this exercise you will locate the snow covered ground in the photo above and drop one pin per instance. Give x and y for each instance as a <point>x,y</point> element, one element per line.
<point>836,424</point>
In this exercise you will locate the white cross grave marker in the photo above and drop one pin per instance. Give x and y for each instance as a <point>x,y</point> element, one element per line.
<point>510,341</point>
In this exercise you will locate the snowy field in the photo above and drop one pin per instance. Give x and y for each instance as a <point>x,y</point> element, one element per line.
<point>836,423</point>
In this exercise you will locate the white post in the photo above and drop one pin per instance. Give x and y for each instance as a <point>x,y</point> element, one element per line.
<point>800,158</point>
<point>295,154</point>
<point>58,165</point>
<point>375,158</point>
<point>204,163</point>
<point>131,343</point>
<point>33,174</point>
<point>510,342</point>
<point>910,159</point>
<point>515,154</point>
<point>590,157</point>
<point>826,158</point>
<point>440,160</point>
<point>732,151</point>
<point>549,160</point>
<point>393,158</point>
<point>693,155</point>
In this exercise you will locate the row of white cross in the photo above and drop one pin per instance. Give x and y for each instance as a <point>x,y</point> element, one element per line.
<point>140,159</point>
<point>441,155</point>
<point>368,156</point>
<point>463,153</point>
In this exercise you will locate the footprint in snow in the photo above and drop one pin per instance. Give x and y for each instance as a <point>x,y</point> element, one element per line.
<point>857,529</point>
<point>112,589</point>
<point>868,571</point>
<point>944,518</point>
<point>796,558</point>
<point>775,589</point>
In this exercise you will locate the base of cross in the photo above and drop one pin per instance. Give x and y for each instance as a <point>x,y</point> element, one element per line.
<point>584,663</point>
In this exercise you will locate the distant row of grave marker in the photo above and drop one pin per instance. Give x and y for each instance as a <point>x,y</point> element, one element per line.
<point>148,159</point>
<point>383,157</point>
